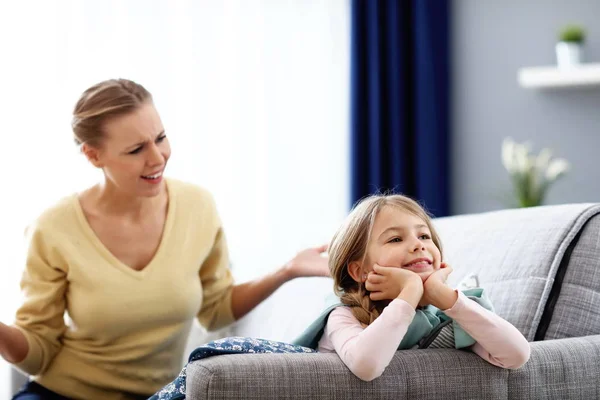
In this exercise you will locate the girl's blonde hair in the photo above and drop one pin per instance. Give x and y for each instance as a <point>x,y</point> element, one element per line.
<point>103,102</point>
<point>350,244</point>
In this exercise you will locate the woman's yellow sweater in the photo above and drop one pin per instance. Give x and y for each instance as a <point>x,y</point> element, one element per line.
<point>98,329</point>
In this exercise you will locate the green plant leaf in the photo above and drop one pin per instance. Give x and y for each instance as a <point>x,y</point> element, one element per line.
<point>572,33</point>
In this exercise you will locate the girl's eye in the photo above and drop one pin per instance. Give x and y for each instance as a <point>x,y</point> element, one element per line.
<point>424,237</point>
<point>395,240</point>
<point>161,138</point>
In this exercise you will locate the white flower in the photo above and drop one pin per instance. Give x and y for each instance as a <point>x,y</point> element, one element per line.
<point>556,169</point>
<point>543,159</point>
<point>522,162</point>
<point>531,175</point>
<point>508,154</point>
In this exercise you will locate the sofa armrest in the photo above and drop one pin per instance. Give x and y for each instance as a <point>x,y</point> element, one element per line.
<point>561,369</point>
<point>564,368</point>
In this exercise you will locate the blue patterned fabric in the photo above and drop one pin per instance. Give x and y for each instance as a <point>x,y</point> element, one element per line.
<point>231,345</point>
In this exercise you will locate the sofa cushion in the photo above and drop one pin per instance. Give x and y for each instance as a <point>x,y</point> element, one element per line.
<point>557,369</point>
<point>574,306</point>
<point>412,374</point>
<point>515,253</point>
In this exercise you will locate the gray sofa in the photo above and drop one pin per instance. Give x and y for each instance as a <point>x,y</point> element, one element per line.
<point>541,268</point>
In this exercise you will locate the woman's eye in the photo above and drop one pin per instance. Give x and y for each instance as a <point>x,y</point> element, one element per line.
<point>135,151</point>
<point>161,138</point>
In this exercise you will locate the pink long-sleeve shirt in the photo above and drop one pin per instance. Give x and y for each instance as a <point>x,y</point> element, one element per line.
<point>367,351</point>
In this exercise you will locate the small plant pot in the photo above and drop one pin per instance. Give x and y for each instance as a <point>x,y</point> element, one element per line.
<point>569,54</point>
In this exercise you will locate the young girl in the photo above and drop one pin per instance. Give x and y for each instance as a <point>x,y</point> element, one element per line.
<point>386,262</point>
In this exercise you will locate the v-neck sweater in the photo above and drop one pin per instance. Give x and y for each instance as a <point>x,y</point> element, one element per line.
<point>97,328</point>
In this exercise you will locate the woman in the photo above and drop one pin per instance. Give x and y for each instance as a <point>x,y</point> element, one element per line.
<point>132,260</point>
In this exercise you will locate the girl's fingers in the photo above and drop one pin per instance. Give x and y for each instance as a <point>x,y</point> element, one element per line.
<point>380,270</point>
<point>375,278</point>
<point>376,296</point>
<point>447,271</point>
<point>444,274</point>
<point>373,287</point>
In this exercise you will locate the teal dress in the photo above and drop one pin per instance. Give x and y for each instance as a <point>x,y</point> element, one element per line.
<point>430,327</point>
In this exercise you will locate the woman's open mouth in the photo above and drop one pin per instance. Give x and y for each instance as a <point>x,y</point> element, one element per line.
<point>154,178</point>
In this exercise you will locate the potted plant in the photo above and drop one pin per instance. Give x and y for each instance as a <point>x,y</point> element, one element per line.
<point>569,49</point>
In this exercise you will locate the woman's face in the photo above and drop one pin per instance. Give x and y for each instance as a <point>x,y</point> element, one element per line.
<point>134,152</point>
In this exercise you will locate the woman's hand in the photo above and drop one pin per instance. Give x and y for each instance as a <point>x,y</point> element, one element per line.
<point>436,291</point>
<point>13,344</point>
<point>308,262</point>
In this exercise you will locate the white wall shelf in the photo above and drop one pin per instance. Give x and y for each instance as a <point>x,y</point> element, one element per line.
<point>583,75</point>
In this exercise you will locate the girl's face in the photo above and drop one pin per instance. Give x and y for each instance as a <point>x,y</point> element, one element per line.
<point>403,240</point>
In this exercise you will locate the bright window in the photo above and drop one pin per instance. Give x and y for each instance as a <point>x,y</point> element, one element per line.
<point>253,94</point>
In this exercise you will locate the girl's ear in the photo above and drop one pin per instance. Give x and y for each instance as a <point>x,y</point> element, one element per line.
<point>356,272</point>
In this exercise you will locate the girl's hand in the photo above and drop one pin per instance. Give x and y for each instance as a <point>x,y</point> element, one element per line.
<point>436,291</point>
<point>308,262</point>
<point>386,283</point>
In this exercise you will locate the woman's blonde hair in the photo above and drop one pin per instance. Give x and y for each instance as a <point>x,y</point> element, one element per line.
<point>350,244</point>
<point>102,102</point>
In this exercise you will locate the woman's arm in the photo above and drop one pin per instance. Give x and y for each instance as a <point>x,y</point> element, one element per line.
<point>13,344</point>
<point>498,341</point>
<point>34,340</point>
<point>246,296</point>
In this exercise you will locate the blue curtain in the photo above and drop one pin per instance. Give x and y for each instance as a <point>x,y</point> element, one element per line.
<point>400,100</point>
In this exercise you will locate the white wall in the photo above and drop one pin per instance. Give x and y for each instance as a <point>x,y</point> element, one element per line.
<point>491,40</point>
<point>253,95</point>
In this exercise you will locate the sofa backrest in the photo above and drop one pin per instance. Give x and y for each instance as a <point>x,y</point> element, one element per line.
<point>517,255</point>
<point>573,308</point>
